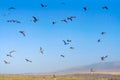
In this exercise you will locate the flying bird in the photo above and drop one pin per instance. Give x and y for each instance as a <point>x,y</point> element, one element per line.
<point>22,32</point>
<point>103,57</point>
<point>65,43</point>
<point>6,62</point>
<point>99,40</point>
<point>35,19</point>
<point>18,22</point>
<point>72,48</point>
<point>71,18</point>
<point>106,56</point>
<point>62,55</point>
<point>105,7</point>
<point>41,50</point>
<point>68,40</point>
<point>64,20</point>
<point>102,33</point>
<point>43,5</point>
<point>53,22</point>
<point>11,8</point>
<point>85,8</point>
<point>28,60</point>
<point>10,53</point>
<point>13,21</point>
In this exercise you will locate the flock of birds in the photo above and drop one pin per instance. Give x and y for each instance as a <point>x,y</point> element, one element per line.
<point>65,42</point>
<point>99,40</point>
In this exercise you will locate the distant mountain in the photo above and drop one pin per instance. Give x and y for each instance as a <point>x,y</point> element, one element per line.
<point>102,66</point>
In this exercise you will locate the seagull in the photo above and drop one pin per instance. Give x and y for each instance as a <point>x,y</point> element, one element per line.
<point>11,8</point>
<point>41,50</point>
<point>85,8</point>
<point>62,55</point>
<point>65,43</point>
<point>105,7</point>
<point>43,5</point>
<point>71,18</point>
<point>102,33</point>
<point>34,19</point>
<point>64,20</point>
<point>22,32</point>
<point>6,62</point>
<point>28,60</point>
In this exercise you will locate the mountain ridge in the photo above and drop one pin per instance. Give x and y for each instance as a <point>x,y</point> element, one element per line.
<point>97,67</point>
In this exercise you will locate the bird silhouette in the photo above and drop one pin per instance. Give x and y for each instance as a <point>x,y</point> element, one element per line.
<point>13,21</point>
<point>105,7</point>
<point>103,57</point>
<point>102,33</point>
<point>65,43</point>
<point>62,55</point>
<point>43,5</point>
<point>53,22</point>
<point>11,8</point>
<point>10,53</point>
<point>64,20</point>
<point>18,22</point>
<point>41,50</point>
<point>99,40</point>
<point>68,40</point>
<point>35,19</point>
<point>28,60</point>
<point>85,8</point>
<point>23,33</point>
<point>6,62</point>
<point>71,18</point>
<point>72,48</point>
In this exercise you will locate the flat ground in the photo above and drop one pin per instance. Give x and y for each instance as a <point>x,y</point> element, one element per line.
<point>70,76</point>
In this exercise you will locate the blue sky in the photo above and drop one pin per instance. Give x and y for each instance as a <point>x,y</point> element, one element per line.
<point>84,31</point>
